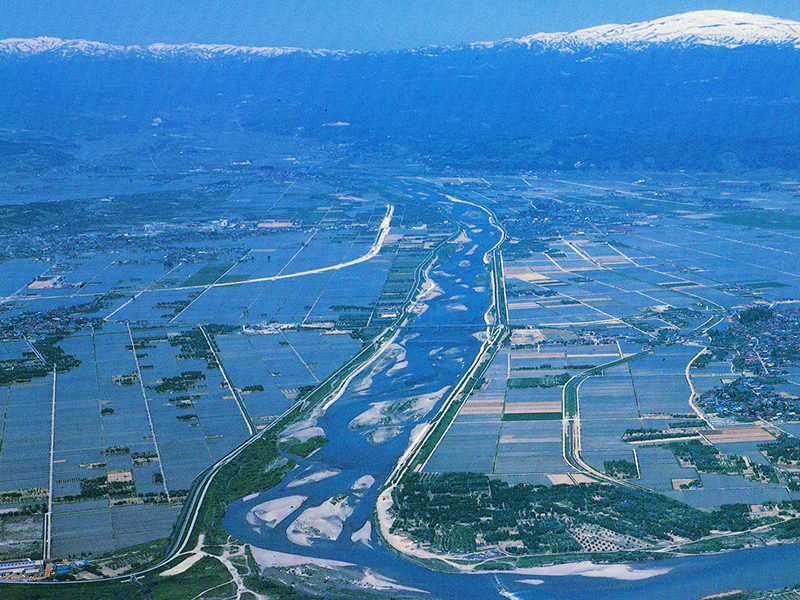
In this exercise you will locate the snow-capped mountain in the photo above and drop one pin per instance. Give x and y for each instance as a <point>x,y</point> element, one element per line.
<point>700,28</point>
<point>680,91</point>
<point>56,47</point>
<point>705,27</point>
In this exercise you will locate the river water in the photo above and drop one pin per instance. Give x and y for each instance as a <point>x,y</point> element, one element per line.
<point>426,359</point>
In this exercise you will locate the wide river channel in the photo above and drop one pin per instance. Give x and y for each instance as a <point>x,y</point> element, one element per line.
<point>426,359</point>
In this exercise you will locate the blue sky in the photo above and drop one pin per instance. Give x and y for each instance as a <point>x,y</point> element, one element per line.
<point>340,24</point>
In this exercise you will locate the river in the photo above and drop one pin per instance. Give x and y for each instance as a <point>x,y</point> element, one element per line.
<point>426,359</point>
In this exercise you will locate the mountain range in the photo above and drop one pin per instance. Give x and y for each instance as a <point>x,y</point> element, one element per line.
<point>709,27</point>
<point>680,91</point>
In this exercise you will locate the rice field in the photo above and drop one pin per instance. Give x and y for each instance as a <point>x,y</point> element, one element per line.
<point>152,399</point>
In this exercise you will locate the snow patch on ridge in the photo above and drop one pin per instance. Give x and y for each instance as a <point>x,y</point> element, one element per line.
<point>699,28</point>
<point>720,28</point>
<point>57,47</point>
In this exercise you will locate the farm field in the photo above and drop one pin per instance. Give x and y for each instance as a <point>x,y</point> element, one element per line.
<point>132,367</point>
<point>643,299</point>
<point>351,304</point>
<point>622,361</point>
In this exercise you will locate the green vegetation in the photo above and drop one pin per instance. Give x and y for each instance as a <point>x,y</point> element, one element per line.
<point>692,484</point>
<point>762,219</point>
<point>763,285</point>
<point>207,573</point>
<point>100,487</point>
<point>175,306</point>
<point>687,424</point>
<point>442,510</point>
<point>645,435</point>
<point>179,383</point>
<point>207,275</point>
<point>76,217</point>
<point>706,458</point>
<point>787,530</point>
<point>143,456</point>
<point>303,449</point>
<point>252,388</point>
<point>785,451</point>
<point>532,416</point>
<point>257,468</point>
<point>277,590</point>
<point>756,314</point>
<point>193,344</point>
<point>221,329</point>
<point>459,539</point>
<point>126,380</point>
<point>22,495</point>
<point>547,381</point>
<point>702,361</point>
<point>764,473</point>
<point>621,469</point>
<point>31,367</point>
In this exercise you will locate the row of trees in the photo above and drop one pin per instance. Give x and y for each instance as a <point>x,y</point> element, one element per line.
<point>432,508</point>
